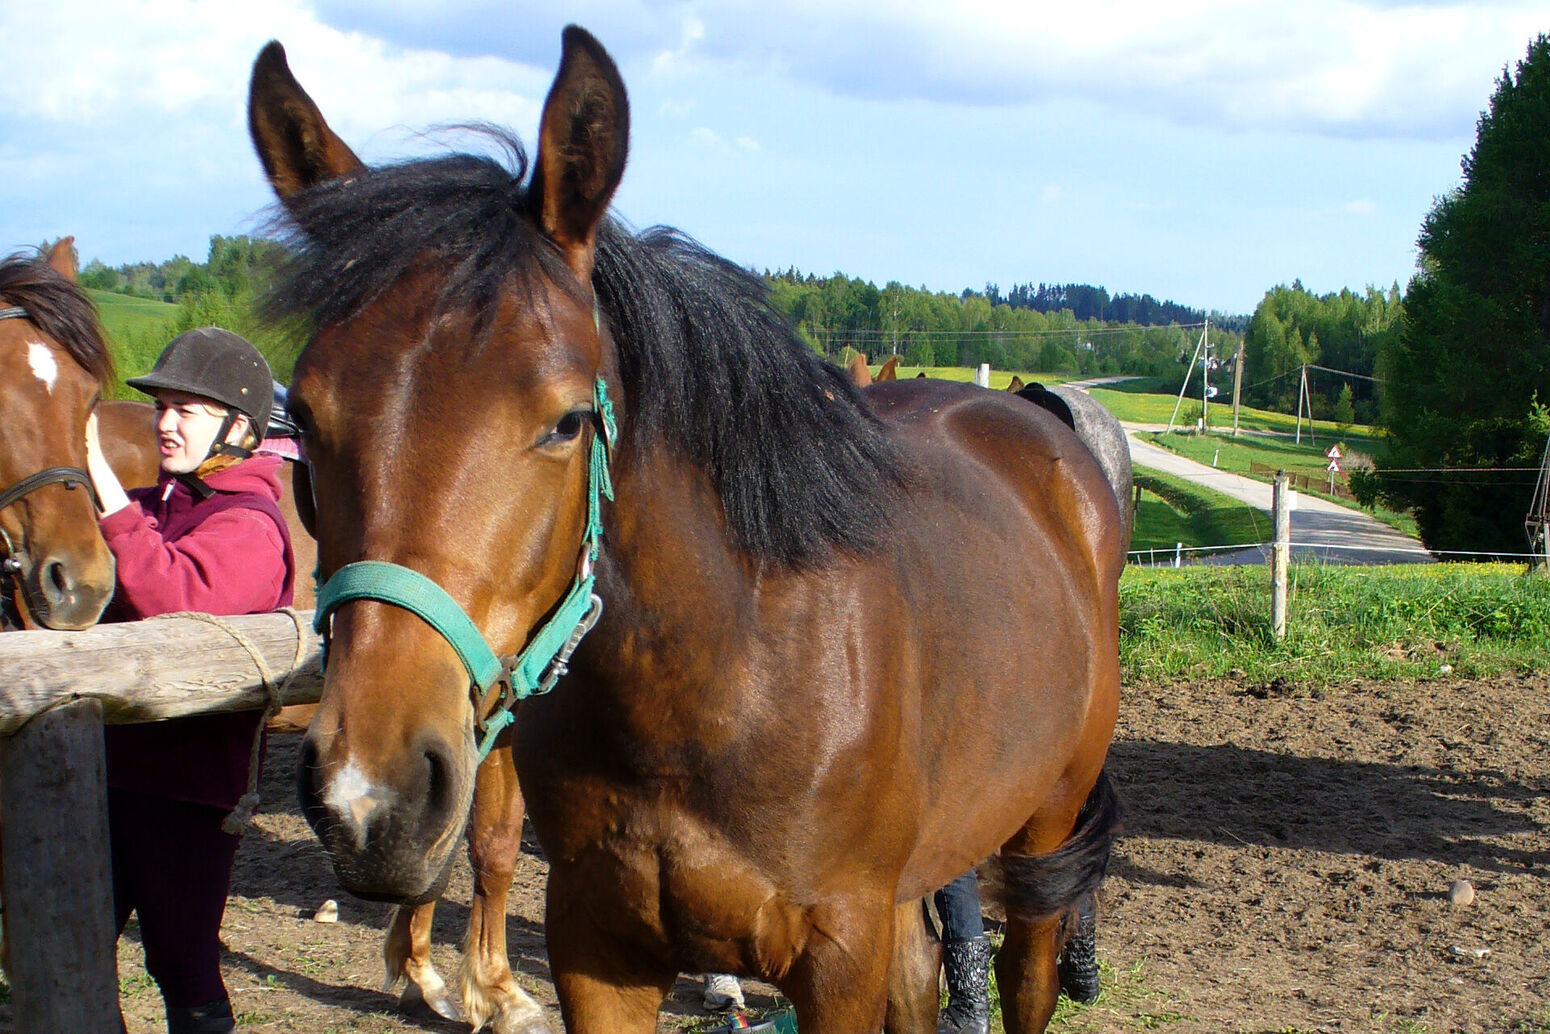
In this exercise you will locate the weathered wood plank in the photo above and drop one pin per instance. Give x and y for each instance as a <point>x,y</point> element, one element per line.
<point>148,670</point>
<point>58,885</point>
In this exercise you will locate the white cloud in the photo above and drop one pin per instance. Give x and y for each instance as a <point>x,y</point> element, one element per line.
<point>1337,67</point>
<point>93,63</point>
<point>1361,207</point>
<point>748,143</point>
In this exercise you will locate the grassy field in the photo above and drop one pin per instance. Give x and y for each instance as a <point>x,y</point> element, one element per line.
<point>1173,511</point>
<point>999,379</point>
<point>137,329</point>
<point>1403,622</point>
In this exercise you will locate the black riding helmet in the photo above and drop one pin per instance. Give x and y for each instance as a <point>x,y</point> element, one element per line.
<point>217,365</point>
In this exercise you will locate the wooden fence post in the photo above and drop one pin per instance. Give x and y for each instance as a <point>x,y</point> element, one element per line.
<point>58,886</point>
<point>1280,554</point>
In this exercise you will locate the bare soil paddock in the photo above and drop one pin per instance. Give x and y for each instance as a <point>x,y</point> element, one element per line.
<point>1285,868</point>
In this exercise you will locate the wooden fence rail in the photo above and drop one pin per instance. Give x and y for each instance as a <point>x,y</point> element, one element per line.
<point>56,691</point>
<point>1305,482</point>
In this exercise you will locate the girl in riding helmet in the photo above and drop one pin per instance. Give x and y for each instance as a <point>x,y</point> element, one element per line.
<point>207,537</point>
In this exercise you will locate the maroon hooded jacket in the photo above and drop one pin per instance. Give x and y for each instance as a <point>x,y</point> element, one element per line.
<point>226,554</point>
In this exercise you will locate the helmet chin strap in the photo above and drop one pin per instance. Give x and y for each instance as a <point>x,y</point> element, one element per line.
<point>218,447</point>
<point>221,447</point>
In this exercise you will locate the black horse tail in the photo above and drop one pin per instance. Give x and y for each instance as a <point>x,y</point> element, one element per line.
<point>1038,887</point>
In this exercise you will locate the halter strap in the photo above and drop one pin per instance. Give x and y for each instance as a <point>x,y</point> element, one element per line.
<point>15,312</point>
<point>543,661</point>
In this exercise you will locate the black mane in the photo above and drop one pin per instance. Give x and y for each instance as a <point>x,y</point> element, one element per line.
<point>710,370</point>
<point>59,309</point>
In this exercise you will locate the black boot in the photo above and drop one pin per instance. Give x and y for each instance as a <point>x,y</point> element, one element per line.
<point>1079,958</point>
<point>967,964</point>
<point>214,1018</point>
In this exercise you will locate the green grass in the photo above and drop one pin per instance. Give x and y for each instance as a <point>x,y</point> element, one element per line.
<point>1174,511</point>
<point>999,379</point>
<point>1398,623</point>
<point>137,329</point>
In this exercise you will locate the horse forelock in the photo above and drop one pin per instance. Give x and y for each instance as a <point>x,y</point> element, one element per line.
<point>59,309</point>
<point>709,369</point>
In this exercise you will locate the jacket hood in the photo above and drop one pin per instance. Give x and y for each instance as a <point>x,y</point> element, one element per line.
<point>259,473</point>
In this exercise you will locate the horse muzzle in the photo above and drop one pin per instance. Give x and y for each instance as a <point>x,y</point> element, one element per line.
<point>389,839</point>
<point>61,591</point>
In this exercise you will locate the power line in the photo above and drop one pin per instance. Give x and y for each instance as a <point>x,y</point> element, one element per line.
<point>1078,331</point>
<point>1346,373</point>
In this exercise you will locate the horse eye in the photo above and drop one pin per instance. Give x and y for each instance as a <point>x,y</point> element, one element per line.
<point>569,427</point>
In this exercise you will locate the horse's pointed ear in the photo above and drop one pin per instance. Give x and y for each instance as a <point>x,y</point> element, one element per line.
<point>1016,385</point>
<point>583,139</point>
<point>890,370</point>
<point>295,145</point>
<point>61,257</point>
<point>860,376</point>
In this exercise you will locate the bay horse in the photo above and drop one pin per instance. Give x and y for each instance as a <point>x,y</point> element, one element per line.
<point>850,646</point>
<point>57,571</point>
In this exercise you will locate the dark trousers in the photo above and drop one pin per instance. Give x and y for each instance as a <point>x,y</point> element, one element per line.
<point>172,865</point>
<point>958,905</point>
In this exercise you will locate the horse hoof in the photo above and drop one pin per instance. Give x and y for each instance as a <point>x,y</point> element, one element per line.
<point>526,1025</point>
<point>437,1002</point>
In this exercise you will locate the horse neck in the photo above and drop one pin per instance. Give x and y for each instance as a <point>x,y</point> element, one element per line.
<point>669,559</point>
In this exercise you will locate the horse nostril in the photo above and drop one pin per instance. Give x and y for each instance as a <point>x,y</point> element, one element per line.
<point>55,582</point>
<point>440,783</point>
<point>307,782</point>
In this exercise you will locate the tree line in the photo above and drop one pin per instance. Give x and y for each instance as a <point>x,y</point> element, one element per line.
<point>841,315</point>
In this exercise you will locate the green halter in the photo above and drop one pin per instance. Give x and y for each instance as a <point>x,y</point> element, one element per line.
<point>539,666</point>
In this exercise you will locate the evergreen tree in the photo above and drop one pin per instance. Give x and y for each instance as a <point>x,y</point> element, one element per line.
<point>1473,354</point>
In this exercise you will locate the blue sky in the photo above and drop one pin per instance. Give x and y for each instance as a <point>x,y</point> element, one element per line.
<point>1199,151</point>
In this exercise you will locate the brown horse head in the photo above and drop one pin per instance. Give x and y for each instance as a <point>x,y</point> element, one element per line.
<point>478,371</point>
<point>53,360</point>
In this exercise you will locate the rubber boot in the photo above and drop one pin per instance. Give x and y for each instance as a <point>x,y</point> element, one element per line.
<point>1079,959</point>
<point>214,1018</point>
<point>967,964</point>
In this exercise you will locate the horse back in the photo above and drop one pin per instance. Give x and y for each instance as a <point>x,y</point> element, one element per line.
<point>987,447</point>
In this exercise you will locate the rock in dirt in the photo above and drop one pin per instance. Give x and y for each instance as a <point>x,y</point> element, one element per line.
<point>1461,894</point>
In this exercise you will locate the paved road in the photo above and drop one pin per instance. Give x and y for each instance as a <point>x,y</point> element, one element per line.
<point>1320,528</point>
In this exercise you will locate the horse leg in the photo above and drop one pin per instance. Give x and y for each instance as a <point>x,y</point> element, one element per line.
<point>406,954</point>
<point>490,991</point>
<point>1051,867</point>
<point>604,986</point>
<point>913,998</point>
<point>839,984</point>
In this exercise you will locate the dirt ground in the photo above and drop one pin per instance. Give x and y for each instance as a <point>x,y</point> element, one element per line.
<point>1285,868</point>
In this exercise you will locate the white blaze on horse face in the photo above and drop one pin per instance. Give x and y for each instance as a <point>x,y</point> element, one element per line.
<point>41,358</point>
<point>354,798</point>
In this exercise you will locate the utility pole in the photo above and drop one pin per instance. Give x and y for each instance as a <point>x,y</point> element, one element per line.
<point>1205,380</point>
<point>1304,393</point>
<point>1185,386</point>
<point>1237,386</point>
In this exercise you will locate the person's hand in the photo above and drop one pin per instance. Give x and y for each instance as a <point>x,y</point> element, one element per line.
<point>107,484</point>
